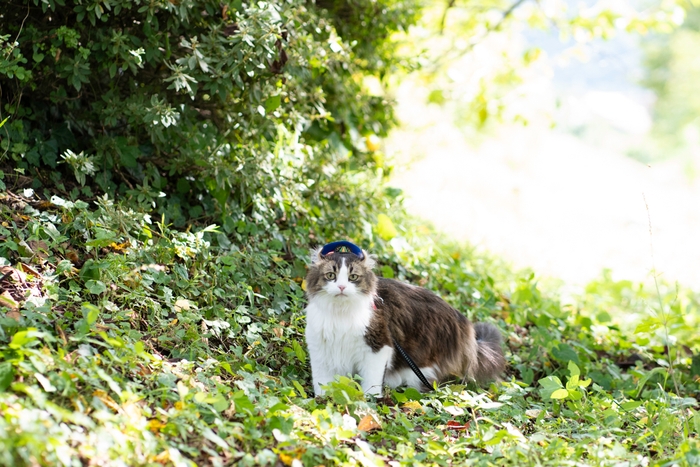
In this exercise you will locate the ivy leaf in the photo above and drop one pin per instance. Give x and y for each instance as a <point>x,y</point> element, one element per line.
<point>565,353</point>
<point>95,287</point>
<point>550,384</point>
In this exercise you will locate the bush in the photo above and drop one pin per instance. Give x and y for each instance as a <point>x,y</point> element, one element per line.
<point>237,110</point>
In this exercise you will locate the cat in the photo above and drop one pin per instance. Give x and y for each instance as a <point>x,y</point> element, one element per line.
<point>354,317</point>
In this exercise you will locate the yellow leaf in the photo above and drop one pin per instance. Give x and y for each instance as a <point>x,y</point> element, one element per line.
<point>289,457</point>
<point>413,405</point>
<point>368,423</point>
<point>372,142</point>
<point>6,300</point>
<point>286,459</point>
<point>155,425</point>
<point>385,228</point>
<point>303,285</point>
<point>119,247</point>
<point>163,457</point>
<point>106,400</point>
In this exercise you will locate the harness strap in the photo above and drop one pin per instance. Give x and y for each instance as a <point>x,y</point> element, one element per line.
<point>412,364</point>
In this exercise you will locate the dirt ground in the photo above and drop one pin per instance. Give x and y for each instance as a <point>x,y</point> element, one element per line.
<point>546,200</point>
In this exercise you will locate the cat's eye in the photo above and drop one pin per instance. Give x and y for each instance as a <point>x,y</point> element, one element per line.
<point>353,277</point>
<point>330,276</point>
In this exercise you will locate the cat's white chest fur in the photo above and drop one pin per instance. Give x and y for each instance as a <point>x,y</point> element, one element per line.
<point>335,330</point>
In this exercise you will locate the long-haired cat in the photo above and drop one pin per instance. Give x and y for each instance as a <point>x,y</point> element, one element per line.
<point>353,318</point>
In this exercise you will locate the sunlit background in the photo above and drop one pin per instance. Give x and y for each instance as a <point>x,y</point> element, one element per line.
<point>568,150</point>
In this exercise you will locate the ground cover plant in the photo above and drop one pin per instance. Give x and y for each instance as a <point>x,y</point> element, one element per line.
<point>153,345</point>
<point>165,168</point>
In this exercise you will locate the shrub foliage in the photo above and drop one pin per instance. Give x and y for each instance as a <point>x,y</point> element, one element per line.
<point>231,109</point>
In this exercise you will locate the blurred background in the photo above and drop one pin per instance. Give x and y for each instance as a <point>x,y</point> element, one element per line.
<point>561,136</point>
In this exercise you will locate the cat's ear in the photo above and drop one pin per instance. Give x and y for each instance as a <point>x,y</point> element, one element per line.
<point>316,255</point>
<point>368,260</point>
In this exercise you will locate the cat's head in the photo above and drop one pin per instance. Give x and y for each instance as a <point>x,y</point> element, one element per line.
<point>343,276</point>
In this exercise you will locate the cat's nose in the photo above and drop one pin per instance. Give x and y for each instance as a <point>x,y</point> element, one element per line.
<point>341,287</point>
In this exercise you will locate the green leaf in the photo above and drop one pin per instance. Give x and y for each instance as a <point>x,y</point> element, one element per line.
<point>299,352</point>
<point>90,314</point>
<point>385,228</point>
<point>26,338</point>
<point>214,438</point>
<point>95,287</point>
<point>242,403</point>
<point>572,383</point>
<point>695,366</point>
<point>551,382</point>
<point>573,369</point>
<point>103,237</point>
<point>219,403</point>
<point>559,394</point>
<point>645,378</point>
<point>300,389</point>
<point>412,394</point>
<point>549,385</point>
<point>631,405</point>
<point>648,325</point>
<point>272,103</point>
<point>7,375</point>
<point>565,353</point>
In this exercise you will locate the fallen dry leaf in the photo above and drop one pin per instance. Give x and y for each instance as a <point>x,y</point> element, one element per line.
<point>6,300</point>
<point>457,426</point>
<point>30,270</point>
<point>368,423</point>
<point>182,304</point>
<point>163,457</point>
<point>106,400</point>
<point>14,315</point>
<point>9,272</point>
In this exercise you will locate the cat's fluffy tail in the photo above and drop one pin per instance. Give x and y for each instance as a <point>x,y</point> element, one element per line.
<point>490,360</point>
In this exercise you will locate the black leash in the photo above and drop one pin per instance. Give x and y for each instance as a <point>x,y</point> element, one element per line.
<point>412,364</point>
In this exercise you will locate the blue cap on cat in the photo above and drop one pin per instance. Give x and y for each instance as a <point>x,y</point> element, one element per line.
<point>335,246</point>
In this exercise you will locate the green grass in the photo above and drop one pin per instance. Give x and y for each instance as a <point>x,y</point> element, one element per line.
<point>126,342</point>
